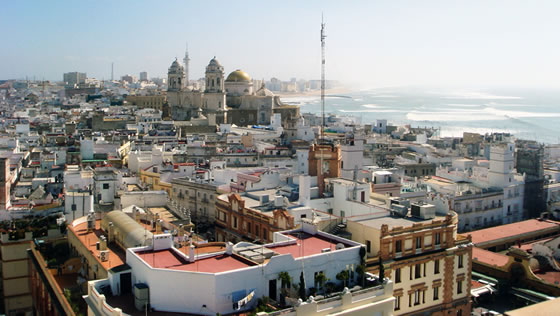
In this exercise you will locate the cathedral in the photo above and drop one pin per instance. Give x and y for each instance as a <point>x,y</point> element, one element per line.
<point>232,100</point>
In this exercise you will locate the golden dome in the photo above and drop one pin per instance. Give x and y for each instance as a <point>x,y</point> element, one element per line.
<point>238,76</point>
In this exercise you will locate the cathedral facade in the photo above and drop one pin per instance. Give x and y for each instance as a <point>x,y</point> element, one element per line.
<point>232,100</point>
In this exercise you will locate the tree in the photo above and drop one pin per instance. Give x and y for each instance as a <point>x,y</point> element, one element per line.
<point>302,287</point>
<point>286,281</point>
<point>361,271</point>
<point>343,276</point>
<point>320,279</point>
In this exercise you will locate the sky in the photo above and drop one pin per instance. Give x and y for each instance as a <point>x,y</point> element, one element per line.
<point>369,43</point>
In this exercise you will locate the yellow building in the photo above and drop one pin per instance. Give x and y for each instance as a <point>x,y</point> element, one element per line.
<point>429,264</point>
<point>151,178</point>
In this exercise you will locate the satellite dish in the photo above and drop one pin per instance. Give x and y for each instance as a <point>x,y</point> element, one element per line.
<point>339,246</point>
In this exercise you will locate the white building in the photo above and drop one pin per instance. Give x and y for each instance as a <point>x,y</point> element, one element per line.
<point>230,281</point>
<point>352,158</point>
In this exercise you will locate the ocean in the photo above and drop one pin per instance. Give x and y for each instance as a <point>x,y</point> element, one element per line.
<point>528,114</point>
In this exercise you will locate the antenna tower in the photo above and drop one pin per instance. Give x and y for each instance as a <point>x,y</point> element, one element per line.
<point>112,64</point>
<point>323,36</point>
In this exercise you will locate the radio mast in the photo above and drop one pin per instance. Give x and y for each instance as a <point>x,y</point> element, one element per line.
<point>323,36</point>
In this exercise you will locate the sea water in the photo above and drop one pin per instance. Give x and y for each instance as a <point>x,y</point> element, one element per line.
<point>528,114</point>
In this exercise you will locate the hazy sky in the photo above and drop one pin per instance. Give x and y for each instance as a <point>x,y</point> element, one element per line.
<point>374,43</point>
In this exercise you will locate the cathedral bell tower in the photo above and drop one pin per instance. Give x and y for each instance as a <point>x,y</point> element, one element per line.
<point>175,76</point>
<point>214,77</point>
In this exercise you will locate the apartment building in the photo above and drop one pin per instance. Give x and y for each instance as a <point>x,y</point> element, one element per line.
<point>15,290</point>
<point>421,252</point>
<point>251,216</point>
<point>196,196</point>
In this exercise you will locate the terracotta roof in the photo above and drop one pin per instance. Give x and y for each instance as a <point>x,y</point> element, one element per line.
<point>306,245</point>
<point>552,277</point>
<point>89,239</point>
<point>489,258</point>
<point>475,284</point>
<point>511,230</point>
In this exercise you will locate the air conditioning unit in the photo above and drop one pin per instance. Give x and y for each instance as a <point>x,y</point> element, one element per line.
<point>104,255</point>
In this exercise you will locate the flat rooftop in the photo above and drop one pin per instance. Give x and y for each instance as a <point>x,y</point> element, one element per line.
<point>89,240</point>
<point>512,230</point>
<point>392,221</point>
<point>168,259</point>
<point>306,245</point>
<point>489,257</point>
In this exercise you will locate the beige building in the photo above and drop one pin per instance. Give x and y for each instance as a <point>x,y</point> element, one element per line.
<point>429,264</point>
<point>147,101</point>
<point>14,262</point>
<point>195,196</point>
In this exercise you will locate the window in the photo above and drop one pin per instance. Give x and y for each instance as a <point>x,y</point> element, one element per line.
<point>436,293</point>
<point>436,266</point>
<point>417,271</point>
<point>438,239</point>
<point>418,242</point>
<point>417,297</point>
<point>368,245</point>
<point>398,275</point>
<point>459,287</point>
<point>265,235</point>
<point>249,228</point>
<point>397,303</point>
<point>105,186</point>
<point>234,222</point>
<point>398,246</point>
<point>256,230</point>
<point>460,260</point>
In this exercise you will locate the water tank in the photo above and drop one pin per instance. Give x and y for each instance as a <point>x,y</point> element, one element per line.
<point>141,296</point>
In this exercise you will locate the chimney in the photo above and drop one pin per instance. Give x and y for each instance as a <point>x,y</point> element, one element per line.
<point>111,231</point>
<point>304,190</point>
<point>102,243</point>
<point>158,226</point>
<point>229,248</point>
<point>191,253</point>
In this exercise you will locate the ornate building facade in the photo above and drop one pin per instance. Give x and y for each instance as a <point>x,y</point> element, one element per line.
<point>231,100</point>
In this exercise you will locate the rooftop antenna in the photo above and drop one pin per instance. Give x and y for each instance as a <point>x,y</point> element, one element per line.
<point>323,36</point>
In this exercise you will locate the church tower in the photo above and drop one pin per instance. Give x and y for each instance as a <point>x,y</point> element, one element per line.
<point>175,77</point>
<point>214,77</point>
<point>186,62</point>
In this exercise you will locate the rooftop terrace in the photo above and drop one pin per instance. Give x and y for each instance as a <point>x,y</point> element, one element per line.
<point>306,245</point>
<point>169,259</point>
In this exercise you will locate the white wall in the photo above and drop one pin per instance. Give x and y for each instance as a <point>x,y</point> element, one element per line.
<point>144,199</point>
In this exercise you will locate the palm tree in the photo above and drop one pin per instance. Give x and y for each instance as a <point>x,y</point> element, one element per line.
<point>286,281</point>
<point>320,279</point>
<point>285,278</point>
